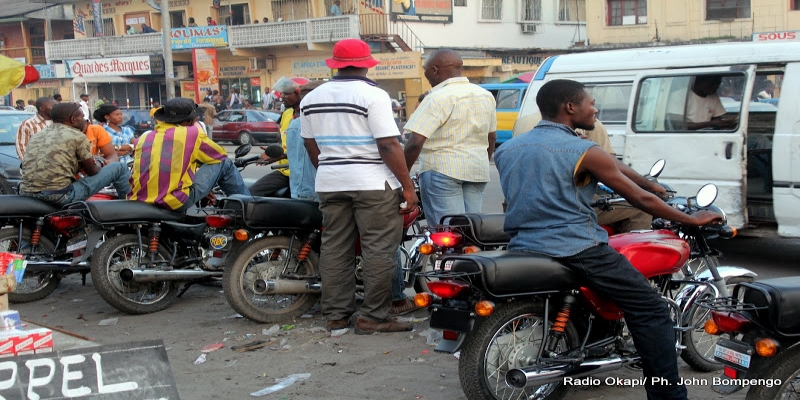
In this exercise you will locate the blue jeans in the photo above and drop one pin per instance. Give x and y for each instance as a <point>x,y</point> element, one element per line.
<point>115,174</point>
<point>611,275</point>
<point>207,176</point>
<point>443,195</point>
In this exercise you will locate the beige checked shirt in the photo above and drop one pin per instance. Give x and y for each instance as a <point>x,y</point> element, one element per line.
<point>456,118</point>
<point>26,129</point>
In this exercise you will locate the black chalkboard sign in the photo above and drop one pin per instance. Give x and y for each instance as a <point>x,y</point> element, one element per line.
<point>136,371</point>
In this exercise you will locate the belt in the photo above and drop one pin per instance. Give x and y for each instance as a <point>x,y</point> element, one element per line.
<point>57,191</point>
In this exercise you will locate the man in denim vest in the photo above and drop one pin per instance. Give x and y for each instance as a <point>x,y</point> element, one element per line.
<point>549,212</point>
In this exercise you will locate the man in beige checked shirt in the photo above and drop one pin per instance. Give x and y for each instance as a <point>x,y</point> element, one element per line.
<point>34,124</point>
<point>453,135</point>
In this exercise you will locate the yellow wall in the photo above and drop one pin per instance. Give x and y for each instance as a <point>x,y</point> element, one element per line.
<point>682,20</point>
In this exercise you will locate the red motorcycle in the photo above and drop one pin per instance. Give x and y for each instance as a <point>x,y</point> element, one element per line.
<point>499,307</point>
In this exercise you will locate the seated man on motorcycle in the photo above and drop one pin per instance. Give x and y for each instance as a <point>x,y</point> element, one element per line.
<point>549,213</point>
<point>270,183</point>
<point>622,217</point>
<point>192,164</point>
<point>57,153</point>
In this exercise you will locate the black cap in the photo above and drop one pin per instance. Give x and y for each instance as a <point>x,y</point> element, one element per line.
<point>178,110</point>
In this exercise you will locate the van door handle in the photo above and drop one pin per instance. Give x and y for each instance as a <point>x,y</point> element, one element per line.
<point>728,150</point>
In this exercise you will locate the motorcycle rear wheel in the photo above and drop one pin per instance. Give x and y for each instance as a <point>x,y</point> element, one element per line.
<point>121,252</point>
<point>511,333</point>
<point>34,285</point>
<point>265,258</point>
<point>784,369</point>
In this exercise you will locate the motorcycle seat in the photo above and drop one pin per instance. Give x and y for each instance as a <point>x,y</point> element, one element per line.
<point>112,211</point>
<point>486,229</point>
<point>507,273</point>
<point>275,213</point>
<point>781,297</point>
<point>24,206</point>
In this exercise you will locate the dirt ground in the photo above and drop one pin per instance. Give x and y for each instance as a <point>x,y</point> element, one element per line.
<point>384,366</point>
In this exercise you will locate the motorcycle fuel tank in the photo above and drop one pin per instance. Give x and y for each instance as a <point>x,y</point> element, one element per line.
<point>653,253</point>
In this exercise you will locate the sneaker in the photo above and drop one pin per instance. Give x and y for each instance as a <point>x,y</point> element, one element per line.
<point>335,324</point>
<point>367,327</point>
<point>402,307</point>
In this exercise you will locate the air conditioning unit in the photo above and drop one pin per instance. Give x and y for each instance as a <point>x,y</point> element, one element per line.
<point>529,29</point>
<point>258,63</point>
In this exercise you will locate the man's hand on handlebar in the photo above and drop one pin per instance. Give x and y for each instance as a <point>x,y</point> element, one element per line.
<point>705,217</point>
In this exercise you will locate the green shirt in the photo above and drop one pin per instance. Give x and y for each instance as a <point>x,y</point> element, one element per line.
<point>53,157</point>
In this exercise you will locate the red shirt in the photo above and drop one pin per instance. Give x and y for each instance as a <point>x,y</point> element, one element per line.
<point>212,22</point>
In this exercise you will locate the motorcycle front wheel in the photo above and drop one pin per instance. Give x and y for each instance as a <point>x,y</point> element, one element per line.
<point>124,251</point>
<point>265,259</point>
<point>511,334</point>
<point>34,285</point>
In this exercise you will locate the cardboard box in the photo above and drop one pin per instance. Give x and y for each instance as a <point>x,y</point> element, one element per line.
<point>17,343</point>
<point>7,345</point>
<point>9,320</point>
<point>42,340</point>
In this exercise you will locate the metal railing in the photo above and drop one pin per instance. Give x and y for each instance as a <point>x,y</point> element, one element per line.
<point>99,47</point>
<point>380,26</point>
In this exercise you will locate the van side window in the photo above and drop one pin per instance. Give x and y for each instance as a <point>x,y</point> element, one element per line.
<point>507,99</point>
<point>689,103</point>
<point>611,101</point>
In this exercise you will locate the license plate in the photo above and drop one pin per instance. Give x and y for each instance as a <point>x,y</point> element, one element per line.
<point>218,242</point>
<point>76,243</point>
<point>437,265</point>
<point>732,356</point>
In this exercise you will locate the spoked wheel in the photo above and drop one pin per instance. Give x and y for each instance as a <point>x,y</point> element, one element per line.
<point>785,372</point>
<point>121,252</point>
<point>510,338</point>
<point>421,282</point>
<point>34,285</point>
<point>262,261</point>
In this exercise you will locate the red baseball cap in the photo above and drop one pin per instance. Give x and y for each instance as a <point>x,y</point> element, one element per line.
<point>351,53</point>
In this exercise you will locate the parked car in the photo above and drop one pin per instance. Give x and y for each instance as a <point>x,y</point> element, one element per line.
<point>246,127</point>
<point>9,162</point>
<point>139,120</point>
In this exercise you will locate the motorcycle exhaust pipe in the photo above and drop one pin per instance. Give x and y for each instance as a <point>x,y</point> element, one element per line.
<point>43,266</point>
<point>154,275</point>
<point>533,376</point>
<point>285,286</point>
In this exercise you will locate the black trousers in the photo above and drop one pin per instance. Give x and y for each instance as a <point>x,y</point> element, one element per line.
<point>268,184</point>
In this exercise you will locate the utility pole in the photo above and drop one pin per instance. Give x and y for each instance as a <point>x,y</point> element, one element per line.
<point>169,73</point>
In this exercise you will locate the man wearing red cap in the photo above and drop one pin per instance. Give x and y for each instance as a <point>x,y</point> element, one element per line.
<point>350,134</point>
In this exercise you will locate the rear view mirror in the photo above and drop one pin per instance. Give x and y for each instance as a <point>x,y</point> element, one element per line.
<point>657,168</point>
<point>242,150</point>
<point>706,195</point>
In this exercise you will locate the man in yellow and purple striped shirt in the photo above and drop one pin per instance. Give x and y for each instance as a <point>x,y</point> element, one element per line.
<point>176,165</point>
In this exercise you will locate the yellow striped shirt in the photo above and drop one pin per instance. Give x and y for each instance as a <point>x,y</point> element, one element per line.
<point>456,118</point>
<point>286,119</point>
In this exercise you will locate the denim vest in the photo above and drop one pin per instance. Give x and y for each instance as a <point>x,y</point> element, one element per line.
<point>547,212</point>
<point>301,181</point>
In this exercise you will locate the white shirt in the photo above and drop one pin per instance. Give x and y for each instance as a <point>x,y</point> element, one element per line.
<point>345,116</point>
<point>85,108</point>
<point>703,109</point>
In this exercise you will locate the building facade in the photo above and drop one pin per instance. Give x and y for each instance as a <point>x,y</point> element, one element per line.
<point>621,23</point>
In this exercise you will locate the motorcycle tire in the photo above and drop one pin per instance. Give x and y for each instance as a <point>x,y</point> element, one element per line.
<point>421,282</point>
<point>264,258</point>
<point>785,368</point>
<point>480,367</point>
<point>34,285</point>
<point>699,351</point>
<point>134,298</point>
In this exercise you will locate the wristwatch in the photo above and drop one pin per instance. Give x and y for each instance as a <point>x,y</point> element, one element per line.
<point>117,148</point>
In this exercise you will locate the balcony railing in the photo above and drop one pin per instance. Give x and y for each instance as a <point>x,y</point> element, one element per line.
<point>380,27</point>
<point>239,36</point>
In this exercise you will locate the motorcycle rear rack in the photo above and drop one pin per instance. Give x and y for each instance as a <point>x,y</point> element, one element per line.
<point>728,304</point>
<point>447,274</point>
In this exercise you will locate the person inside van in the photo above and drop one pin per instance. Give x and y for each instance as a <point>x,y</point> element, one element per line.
<point>704,109</point>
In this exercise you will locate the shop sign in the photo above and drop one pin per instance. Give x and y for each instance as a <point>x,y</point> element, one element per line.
<point>404,65</point>
<point>440,11</point>
<point>46,71</point>
<point>311,68</point>
<point>188,89</point>
<point>255,82</point>
<point>199,37</point>
<point>206,71</point>
<point>773,37</point>
<point>117,66</point>
<point>236,71</point>
<point>45,83</point>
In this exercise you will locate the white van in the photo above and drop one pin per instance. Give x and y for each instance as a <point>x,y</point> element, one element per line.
<point>642,96</point>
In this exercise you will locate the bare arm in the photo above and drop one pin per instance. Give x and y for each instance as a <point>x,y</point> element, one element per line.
<point>413,148</point>
<point>604,167</point>
<point>109,154</point>
<point>492,141</point>
<point>90,166</point>
<point>392,155</point>
<point>640,180</point>
<point>313,151</point>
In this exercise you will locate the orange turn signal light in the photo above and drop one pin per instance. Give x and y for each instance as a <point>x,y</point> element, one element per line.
<point>766,347</point>
<point>735,232</point>
<point>711,327</point>
<point>471,249</point>
<point>484,308</point>
<point>241,235</point>
<point>426,248</point>
<point>423,300</point>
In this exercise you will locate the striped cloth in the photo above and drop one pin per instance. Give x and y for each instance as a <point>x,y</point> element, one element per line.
<point>456,118</point>
<point>26,129</point>
<point>165,161</point>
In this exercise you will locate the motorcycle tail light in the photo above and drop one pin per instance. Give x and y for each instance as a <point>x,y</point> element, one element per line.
<point>447,289</point>
<point>711,328</point>
<point>446,239</point>
<point>484,308</point>
<point>730,322</point>
<point>471,249</point>
<point>449,335</point>
<point>219,221</point>
<point>423,300</point>
<point>426,248</point>
<point>766,347</point>
<point>64,223</point>
<point>729,372</point>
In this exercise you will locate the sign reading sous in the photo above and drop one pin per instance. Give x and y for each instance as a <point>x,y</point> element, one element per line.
<point>199,37</point>
<point>118,66</point>
<point>124,371</point>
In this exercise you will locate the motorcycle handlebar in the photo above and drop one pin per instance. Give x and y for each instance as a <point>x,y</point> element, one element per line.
<point>241,162</point>
<point>279,166</point>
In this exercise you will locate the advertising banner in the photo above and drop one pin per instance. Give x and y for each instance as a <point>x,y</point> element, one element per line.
<point>97,15</point>
<point>199,37</point>
<point>206,71</point>
<point>406,65</point>
<point>440,11</point>
<point>312,68</point>
<point>117,66</point>
<point>46,71</point>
